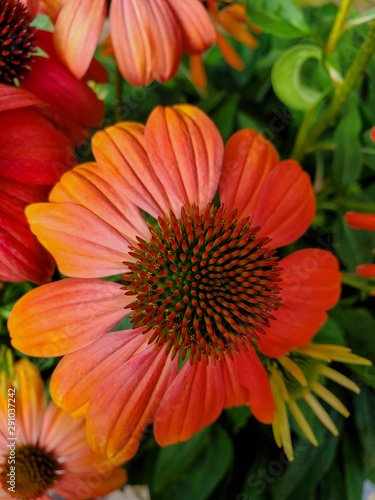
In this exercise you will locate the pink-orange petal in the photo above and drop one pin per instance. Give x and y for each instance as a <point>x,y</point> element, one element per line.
<point>286,205</point>
<point>360,221</point>
<point>83,245</point>
<point>197,29</point>
<point>77,32</point>
<point>194,400</point>
<point>125,403</point>
<point>146,39</point>
<point>101,192</point>
<point>311,285</point>
<point>248,159</point>
<point>186,151</point>
<point>73,382</point>
<point>253,376</point>
<point>120,151</point>
<point>65,316</point>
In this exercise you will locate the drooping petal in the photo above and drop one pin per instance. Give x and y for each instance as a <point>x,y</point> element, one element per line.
<point>286,205</point>
<point>21,255</point>
<point>310,286</point>
<point>186,151</point>
<point>74,107</point>
<point>77,32</point>
<point>360,221</point>
<point>120,151</point>
<point>66,315</point>
<point>32,150</point>
<point>197,29</point>
<point>83,245</point>
<point>129,398</point>
<point>253,376</point>
<point>194,400</point>
<point>13,98</point>
<point>146,39</point>
<point>248,159</point>
<point>73,383</point>
<point>101,192</point>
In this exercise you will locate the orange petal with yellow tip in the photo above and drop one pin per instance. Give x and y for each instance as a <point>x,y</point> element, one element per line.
<point>100,191</point>
<point>120,152</point>
<point>77,32</point>
<point>126,402</point>
<point>186,151</point>
<point>146,39</point>
<point>198,33</point>
<point>73,383</point>
<point>30,402</point>
<point>83,244</point>
<point>66,315</point>
<point>194,400</point>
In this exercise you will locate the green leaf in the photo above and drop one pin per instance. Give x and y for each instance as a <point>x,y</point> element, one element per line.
<point>287,81</point>
<point>353,247</point>
<point>364,411</point>
<point>354,477</point>
<point>330,333</point>
<point>347,158</point>
<point>192,470</point>
<point>281,18</point>
<point>224,115</point>
<point>238,417</point>
<point>331,486</point>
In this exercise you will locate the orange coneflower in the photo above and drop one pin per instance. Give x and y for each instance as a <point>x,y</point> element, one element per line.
<point>44,450</point>
<point>202,282</point>
<point>33,156</point>
<point>366,222</point>
<point>148,36</point>
<point>72,105</point>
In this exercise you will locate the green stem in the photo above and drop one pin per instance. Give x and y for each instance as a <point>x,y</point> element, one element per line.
<point>118,90</point>
<point>355,205</point>
<point>355,282</point>
<point>351,78</point>
<point>302,132</point>
<point>337,27</point>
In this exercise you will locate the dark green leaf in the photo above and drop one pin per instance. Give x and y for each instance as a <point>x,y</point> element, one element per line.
<point>352,247</point>
<point>354,477</point>
<point>364,411</point>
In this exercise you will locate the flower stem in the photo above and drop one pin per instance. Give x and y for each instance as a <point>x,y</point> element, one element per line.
<point>351,79</point>
<point>355,282</point>
<point>338,25</point>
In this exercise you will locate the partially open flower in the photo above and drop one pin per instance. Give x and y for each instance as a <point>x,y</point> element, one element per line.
<point>202,281</point>
<point>70,102</point>
<point>298,376</point>
<point>43,450</point>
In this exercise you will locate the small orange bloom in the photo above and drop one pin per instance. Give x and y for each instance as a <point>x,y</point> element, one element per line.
<point>366,222</point>
<point>46,448</point>
<point>203,282</point>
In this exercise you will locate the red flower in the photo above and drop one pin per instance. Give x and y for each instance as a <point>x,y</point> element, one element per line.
<point>72,105</point>
<point>33,156</point>
<point>203,283</point>
<point>366,222</point>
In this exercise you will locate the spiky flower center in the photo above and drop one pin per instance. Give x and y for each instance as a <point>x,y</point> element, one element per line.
<point>16,41</point>
<point>33,471</point>
<point>205,285</point>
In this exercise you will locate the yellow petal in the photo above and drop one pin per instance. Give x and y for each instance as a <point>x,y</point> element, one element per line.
<point>330,398</point>
<point>320,412</point>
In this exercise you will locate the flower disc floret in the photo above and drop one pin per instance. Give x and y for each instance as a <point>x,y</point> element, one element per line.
<point>35,472</point>
<point>16,40</point>
<point>205,284</point>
